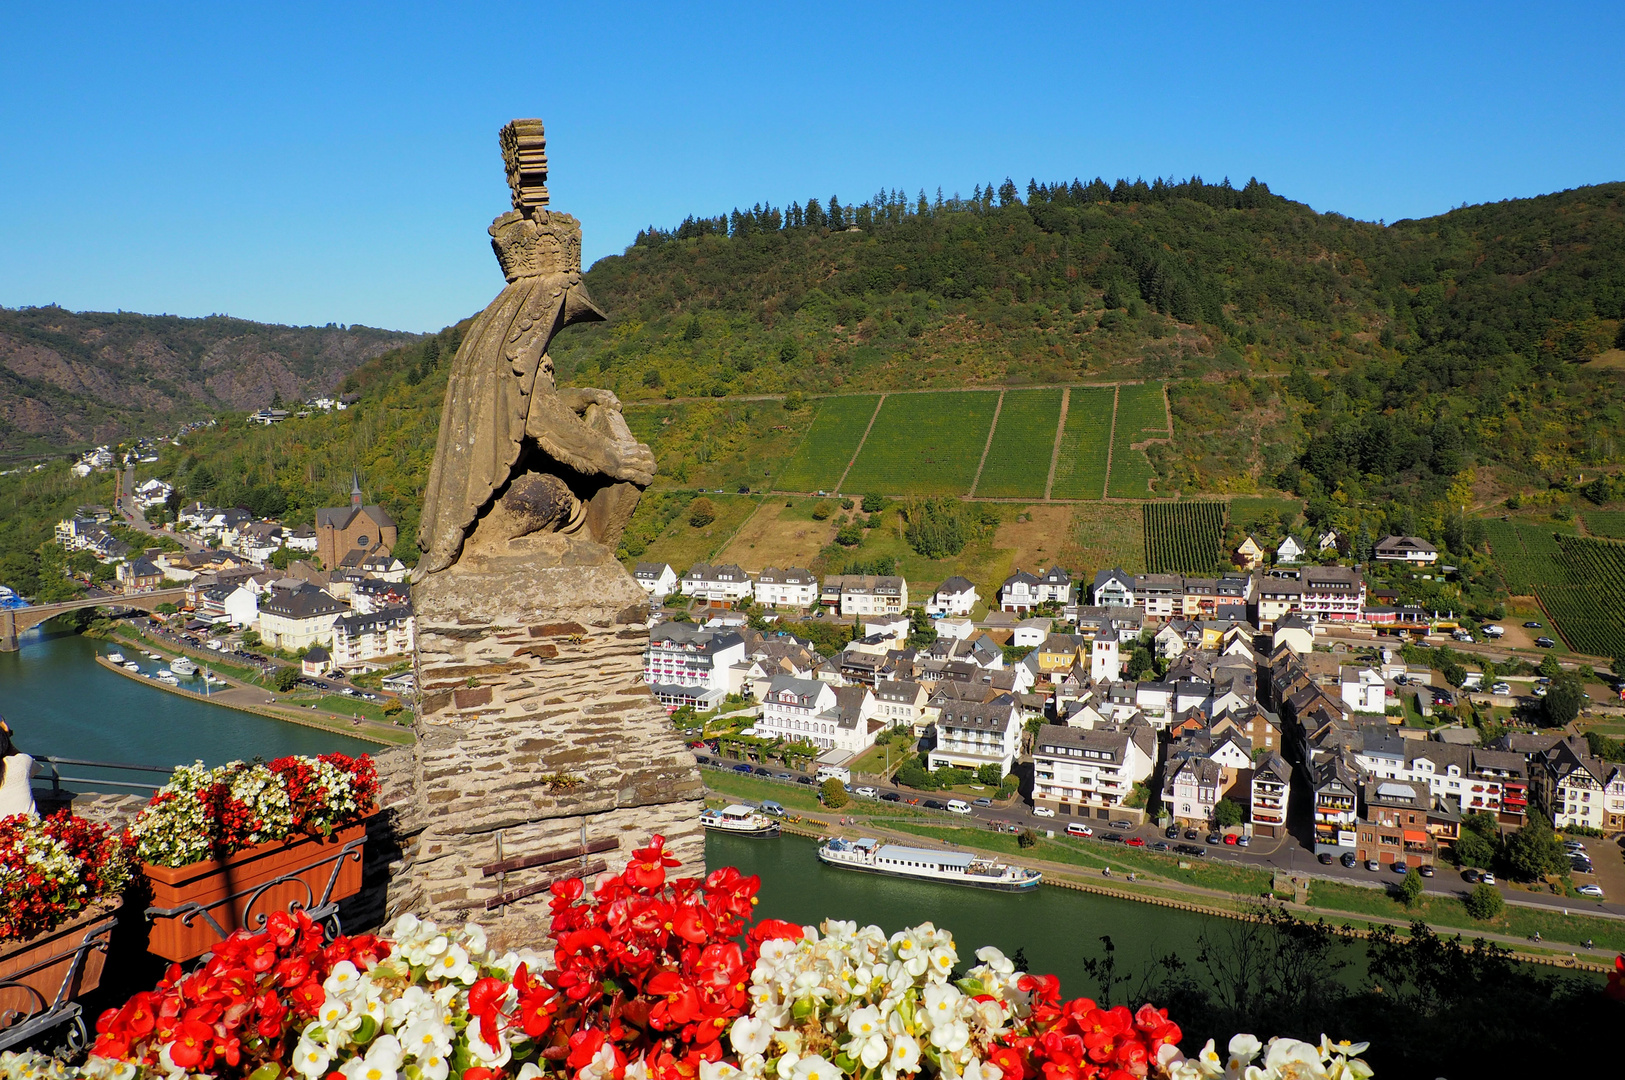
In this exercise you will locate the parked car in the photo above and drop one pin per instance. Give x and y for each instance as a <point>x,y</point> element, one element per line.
<point>1192,850</point>
<point>1533,625</point>
<point>759,771</point>
<point>1171,832</point>
<point>1191,834</point>
<point>1469,876</point>
<point>1134,841</point>
<point>958,806</point>
<point>1399,868</point>
<point>1043,811</point>
<point>1493,631</point>
<point>1426,869</point>
<point>1487,878</point>
<point>1075,829</point>
<point>1214,838</point>
<point>742,768</point>
<point>1373,865</point>
<point>1573,845</point>
<point>1160,845</point>
<point>1593,891</point>
<point>1124,825</point>
<point>891,796</point>
<point>932,804</point>
<point>1545,643</point>
<point>983,801</point>
<point>809,781</point>
<point>702,759</point>
<point>1501,688</point>
<point>1230,839</point>
<point>1109,838</point>
<point>1325,858</point>
<point>783,776</point>
<point>1243,841</point>
<point>867,792</point>
<point>1348,859</point>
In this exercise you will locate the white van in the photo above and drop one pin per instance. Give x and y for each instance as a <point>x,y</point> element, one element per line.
<point>958,806</point>
<point>834,772</point>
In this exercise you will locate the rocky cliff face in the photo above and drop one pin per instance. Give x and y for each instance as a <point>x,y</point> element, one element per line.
<point>69,378</point>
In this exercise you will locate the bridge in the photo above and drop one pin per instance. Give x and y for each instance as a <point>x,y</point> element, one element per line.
<point>14,621</point>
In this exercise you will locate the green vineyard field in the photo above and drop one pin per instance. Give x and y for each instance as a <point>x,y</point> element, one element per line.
<point>1609,523</point>
<point>1080,468</point>
<point>1579,581</point>
<point>1183,538</point>
<point>924,444</point>
<point>819,461</point>
<point>1017,463</point>
<point>1141,414</point>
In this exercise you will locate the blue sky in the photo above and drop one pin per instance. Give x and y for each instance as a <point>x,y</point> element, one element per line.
<point>338,162</point>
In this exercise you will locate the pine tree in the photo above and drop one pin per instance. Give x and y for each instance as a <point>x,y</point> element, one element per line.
<point>837,219</point>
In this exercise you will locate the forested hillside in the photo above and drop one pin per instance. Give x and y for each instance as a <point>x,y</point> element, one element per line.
<point>68,379</point>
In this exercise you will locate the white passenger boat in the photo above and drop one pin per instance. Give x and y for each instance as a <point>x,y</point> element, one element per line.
<point>116,657</point>
<point>739,820</point>
<point>167,677</point>
<point>183,667</point>
<point>132,666</point>
<point>925,864</point>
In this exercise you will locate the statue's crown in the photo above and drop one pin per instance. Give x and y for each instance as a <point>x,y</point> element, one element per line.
<point>530,240</point>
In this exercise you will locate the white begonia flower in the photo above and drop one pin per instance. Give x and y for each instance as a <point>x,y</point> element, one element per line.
<point>996,960</point>
<point>474,939</point>
<point>951,1037</point>
<point>637,1070</point>
<point>941,1003</point>
<point>1342,1068</point>
<point>1243,1049</point>
<point>381,1062</point>
<point>333,1011</point>
<point>712,1070</point>
<point>750,1035</point>
<point>405,927</point>
<point>1292,1059</point>
<point>943,958</point>
<point>1208,1061</point>
<point>493,1057</point>
<point>434,1067</point>
<point>343,980</point>
<point>311,1059</point>
<point>905,1055</point>
<point>1343,1048</point>
<point>814,1067</point>
<point>529,1071</point>
<point>602,1065</point>
<point>453,966</point>
<point>427,1036</point>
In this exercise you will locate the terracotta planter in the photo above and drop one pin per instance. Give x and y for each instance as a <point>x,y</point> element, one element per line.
<point>44,964</point>
<point>237,892</point>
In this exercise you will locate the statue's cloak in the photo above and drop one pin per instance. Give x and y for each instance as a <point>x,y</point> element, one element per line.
<point>501,383</point>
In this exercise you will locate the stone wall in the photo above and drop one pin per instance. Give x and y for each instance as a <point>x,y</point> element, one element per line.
<point>534,730</point>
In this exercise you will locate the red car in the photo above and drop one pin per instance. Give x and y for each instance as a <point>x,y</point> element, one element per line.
<point>1230,838</point>
<point>1134,841</point>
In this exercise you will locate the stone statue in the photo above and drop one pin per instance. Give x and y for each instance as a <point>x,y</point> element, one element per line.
<point>517,456</point>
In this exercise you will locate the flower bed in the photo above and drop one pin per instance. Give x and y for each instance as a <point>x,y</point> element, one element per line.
<point>53,868</point>
<point>650,979</point>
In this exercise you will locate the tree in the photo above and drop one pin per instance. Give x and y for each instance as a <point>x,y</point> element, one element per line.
<point>1140,661</point>
<point>1549,667</point>
<point>285,679</point>
<point>251,638</point>
<point>991,774</point>
<point>1410,888</point>
<point>833,793</point>
<point>1532,851</point>
<point>701,512</point>
<point>1563,697</point>
<point>1484,902</point>
<point>1477,844</point>
<point>850,534</point>
<point>873,504</point>
<point>1226,814</point>
<point>921,630</point>
<point>822,509</point>
<point>1027,839</point>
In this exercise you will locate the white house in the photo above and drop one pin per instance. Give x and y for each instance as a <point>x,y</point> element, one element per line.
<point>1191,788</point>
<point>973,734</point>
<point>1363,689</point>
<point>690,665</point>
<point>1019,592</point>
<point>1055,586</point>
<point>1105,659</point>
<point>717,585</point>
<point>1090,772</point>
<point>956,596</point>
<point>793,588</point>
<point>902,703</point>
<point>1113,588</point>
<point>303,540</point>
<point>241,606</point>
<point>1408,549</point>
<point>865,594</point>
<point>659,580</point>
<point>1577,789</point>
<point>295,619</point>
<point>1295,632</point>
<point>1327,541</point>
<point>1030,633</point>
<point>358,638</point>
<point>790,708</point>
<point>1289,550</point>
<point>1271,792</point>
<point>152,493</point>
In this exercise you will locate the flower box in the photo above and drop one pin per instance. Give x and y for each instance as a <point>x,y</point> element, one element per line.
<point>44,964</point>
<point>225,889</point>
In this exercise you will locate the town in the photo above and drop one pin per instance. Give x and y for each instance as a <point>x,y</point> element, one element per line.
<point>1203,706</point>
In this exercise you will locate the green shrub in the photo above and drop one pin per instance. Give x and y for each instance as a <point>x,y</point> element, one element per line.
<point>1484,902</point>
<point>285,679</point>
<point>833,793</point>
<point>990,774</point>
<point>701,512</point>
<point>822,510</point>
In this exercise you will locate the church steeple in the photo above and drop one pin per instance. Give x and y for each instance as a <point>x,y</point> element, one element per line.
<point>355,491</point>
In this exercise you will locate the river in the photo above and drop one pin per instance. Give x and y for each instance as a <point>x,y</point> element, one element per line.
<point>1058,928</point>
<point>61,703</point>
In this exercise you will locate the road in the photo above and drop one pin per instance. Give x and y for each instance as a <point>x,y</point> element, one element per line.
<point>124,505</point>
<point>1285,853</point>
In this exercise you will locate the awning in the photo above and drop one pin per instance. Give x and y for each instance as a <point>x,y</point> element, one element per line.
<point>1414,837</point>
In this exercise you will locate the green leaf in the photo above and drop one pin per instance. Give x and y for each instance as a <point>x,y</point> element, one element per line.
<point>365,1033</point>
<point>269,1071</point>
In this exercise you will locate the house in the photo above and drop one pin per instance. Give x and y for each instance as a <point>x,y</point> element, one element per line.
<point>853,726</point>
<point>342,530</point>
<point>358,638</point>
<point>1409,549</point>
<point>954,597</point>
<point>303,540</point>
<point>1336,806</point>
<point>1270,793</point>
<point>1393,826</point>
<point>689,665</point>
<point>1105,659</point>
<point>1159,596</point>
<point>791,706</point>
<point>138,575</point>
<point>1293,632</point>
<point>379,564</point>
<point>152,493</point>
<point>793,587</point>
<point>1030,633</point>
<point>972,734</point>
<point>1289,550</point>
<point>1250,554</point>
<point>1332,593</point>
<point>1575,788</point>
<point>1055,587</point>
<point>1019,592</point>
<point>659,580</point>
<point>1091,772</point>
<point>717,586</point>
<point>1279,595</point>
<point>1329,540</point>
<point>404,684</point>
<point>1113,588</point>
<point>315,663</point>
<point>258,540</point>
<point>902,703</point>
<point>1191,788</point>
<point>865,594</point>
<point>1363,690</point>
<point>294,619</point>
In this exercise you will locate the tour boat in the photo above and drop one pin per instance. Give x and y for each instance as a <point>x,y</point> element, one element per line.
<point>924,864</point>
<point>116,657</point>
<point>183,667</point>
<point>739,820</point>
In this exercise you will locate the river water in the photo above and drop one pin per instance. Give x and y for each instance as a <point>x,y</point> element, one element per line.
<point>1058,928</point>
<point>61,703</point>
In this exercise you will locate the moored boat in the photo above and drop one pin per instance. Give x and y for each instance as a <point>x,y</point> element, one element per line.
<point>183,666</point>
<point>132,666</point>
<point>116,657</point>
<point>925,864</point>
<point>739,820</point>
